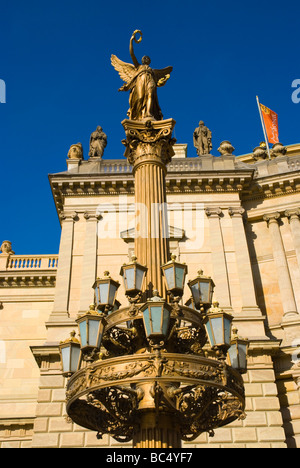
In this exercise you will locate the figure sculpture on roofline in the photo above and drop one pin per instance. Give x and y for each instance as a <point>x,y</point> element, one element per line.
<point>202,139</point>
<point>142,82</point>
<point>98,142</point>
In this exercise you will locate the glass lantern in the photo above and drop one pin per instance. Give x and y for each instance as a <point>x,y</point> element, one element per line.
<point>105,292</point>
<point>91,328</point>
<point>218,327</point>
<point>237,353</point>
<point>156,317</point>
<point>70,354</point>
<point>202,288</point>
<point>174,275</point>
<point>133,275</point>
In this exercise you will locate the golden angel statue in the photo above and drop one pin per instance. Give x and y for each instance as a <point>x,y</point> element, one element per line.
<point>142,82</point>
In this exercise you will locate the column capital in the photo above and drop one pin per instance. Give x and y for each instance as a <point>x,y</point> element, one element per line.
<point>236,212</point>
<point>68,216</point>
<point>213,212</point>
<point>293,213</point>
<point>272,218</point>
<point>92,216</point>
<point>149,142</point>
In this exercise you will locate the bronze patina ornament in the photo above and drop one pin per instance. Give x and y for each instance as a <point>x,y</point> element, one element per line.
<point>142,82</point>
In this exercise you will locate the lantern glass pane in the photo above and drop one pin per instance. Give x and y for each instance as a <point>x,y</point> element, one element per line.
<point>103,287</point>
<point>82,331</point>
<point>65,353</point>
<point>166,320</point>
<point>139,278</point>
<point>179,276</point>
<point>156,316</point>
<point>169,274</point>
<point>112,294</point>
<point>227,331</point>
<point>210,333</point>
<point>74,358</point>
<point>147,322</point>
<point>93,332</point>
<point>204,288</point>
<point>242,355</point>
<point>196,293</point>
<point>217,325</point>
<point>97,294</point>
<point>129,278</point>
<point>233,356</point>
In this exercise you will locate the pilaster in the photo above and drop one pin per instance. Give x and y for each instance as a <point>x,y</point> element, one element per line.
<point>284,278</point>
<point>63,277</point>
<point>89,260</point>
<point>294,219</point>
<point>220,272</point>
<point>248,296</point>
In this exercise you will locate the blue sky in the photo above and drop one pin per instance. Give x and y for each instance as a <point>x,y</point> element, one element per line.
<point>55,61</point>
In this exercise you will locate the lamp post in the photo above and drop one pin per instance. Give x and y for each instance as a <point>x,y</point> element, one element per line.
<point>154,384</point>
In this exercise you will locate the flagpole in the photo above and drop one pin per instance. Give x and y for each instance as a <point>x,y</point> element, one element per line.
<point>263,126</point>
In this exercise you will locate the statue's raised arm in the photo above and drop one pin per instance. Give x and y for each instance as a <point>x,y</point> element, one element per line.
<point>142,82</point>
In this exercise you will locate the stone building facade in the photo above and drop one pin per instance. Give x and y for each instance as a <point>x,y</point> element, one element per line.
<point>236,217</point>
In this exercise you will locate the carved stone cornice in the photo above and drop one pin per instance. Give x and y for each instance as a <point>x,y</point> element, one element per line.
<point>28,279</point>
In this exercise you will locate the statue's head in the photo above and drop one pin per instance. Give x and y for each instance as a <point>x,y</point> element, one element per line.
<point>146,60</point>
<point>201,123</point>
<point>6,248</point>
<point>99,129</point>
<point>76,151</point>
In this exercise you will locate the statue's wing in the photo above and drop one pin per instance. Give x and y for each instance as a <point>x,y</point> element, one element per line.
<point>125,70</point>
<point>162,73</point>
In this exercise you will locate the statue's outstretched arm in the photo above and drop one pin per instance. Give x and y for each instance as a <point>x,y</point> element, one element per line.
<point>133,38</point>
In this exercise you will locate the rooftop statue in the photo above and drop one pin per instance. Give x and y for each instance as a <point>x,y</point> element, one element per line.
<point>202,139</point>
<point>142,82</point>
<point>98,142</point>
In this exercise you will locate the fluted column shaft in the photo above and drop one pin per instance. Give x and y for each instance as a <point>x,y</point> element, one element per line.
<point>149,149</point>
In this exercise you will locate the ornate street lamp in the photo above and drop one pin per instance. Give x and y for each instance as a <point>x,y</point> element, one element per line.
<point>202,288</point>
<point>133,275</point>
<point>91,328</point>
<point>174,275</point>
<point>237,353</point>
<point>69,354</point>
<point>156,317</point>
<point>105,292</point>
<point>218,328</point>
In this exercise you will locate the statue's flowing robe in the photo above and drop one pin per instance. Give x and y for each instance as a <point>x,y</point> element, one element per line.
<point>143,98</point>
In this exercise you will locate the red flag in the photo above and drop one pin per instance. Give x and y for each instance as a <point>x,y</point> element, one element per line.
<point>271,123</point>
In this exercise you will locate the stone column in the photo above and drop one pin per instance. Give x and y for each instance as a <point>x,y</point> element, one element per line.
<point>284,278</point>
<point>63,276</point>
<point>89,263</point>
<point>220,272</point>
<point>249,303</point>
<point>149,149</point>
<point>294,216</point>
